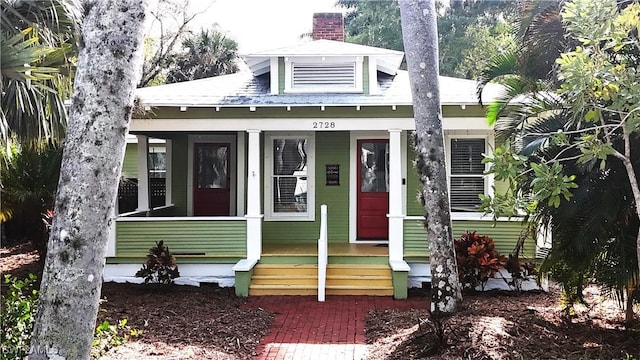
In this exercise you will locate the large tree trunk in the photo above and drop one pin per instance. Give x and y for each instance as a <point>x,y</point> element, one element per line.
<point>420,36</point>
<point>108,69</point>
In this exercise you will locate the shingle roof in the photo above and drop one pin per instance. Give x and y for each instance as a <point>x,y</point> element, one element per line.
<point>326,48</point>
<point>387,60</point>
<point>244,89</point>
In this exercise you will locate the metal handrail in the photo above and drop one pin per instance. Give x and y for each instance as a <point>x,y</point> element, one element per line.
<point>322,254</point>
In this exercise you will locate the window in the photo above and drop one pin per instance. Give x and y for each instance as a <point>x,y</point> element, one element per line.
<point>157,165</point>
<point>289,194</point>
<point>466,173</point>
<point>343,74</point>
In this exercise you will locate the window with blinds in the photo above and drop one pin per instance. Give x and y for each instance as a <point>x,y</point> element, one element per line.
<point>289,177</point>
<point>324,76</point>
<point>467,179</point>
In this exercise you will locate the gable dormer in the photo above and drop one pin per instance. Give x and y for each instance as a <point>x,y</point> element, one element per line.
<point>326,64</point>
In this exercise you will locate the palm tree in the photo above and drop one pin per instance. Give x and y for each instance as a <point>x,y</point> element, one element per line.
<point>37,68</point>
<point>207,53</point>
<point>594,231</point>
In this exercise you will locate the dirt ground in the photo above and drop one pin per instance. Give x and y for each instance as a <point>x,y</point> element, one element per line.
<point>494,325</point>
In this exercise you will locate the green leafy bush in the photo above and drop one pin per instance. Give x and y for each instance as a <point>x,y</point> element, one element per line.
<point>108,336</point>
<point>17,316</point>
<point>161,265</point>
<point>478,260</point>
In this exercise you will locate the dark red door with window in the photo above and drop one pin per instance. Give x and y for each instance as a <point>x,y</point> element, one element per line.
<point>373,190</point>
<point>211,187</point>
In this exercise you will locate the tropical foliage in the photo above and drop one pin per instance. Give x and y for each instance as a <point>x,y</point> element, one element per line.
<point>209,52</point>
<point>477,259</point>
<point>29,177</point>
<point>161,267</point>
<point>38,46</point>
<point>469,31</point>
<point>574,142</point>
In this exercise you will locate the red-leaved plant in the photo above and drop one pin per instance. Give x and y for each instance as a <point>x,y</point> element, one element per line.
<point>478,260</point>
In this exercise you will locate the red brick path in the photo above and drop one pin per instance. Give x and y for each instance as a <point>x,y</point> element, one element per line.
<point>307,329</point>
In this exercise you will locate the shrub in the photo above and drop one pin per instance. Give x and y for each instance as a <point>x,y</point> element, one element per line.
<point>17,316</point>
<point>477,259</point>
<point>161,265</point>
<point>519,271</point>
<point>108,336</point>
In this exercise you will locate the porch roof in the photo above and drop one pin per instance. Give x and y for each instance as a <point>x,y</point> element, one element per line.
<point>245,89</point>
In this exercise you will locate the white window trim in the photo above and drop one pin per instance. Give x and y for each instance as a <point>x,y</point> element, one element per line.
<point>288,70</point>
<point>488,179</point>
<point>269,214</point>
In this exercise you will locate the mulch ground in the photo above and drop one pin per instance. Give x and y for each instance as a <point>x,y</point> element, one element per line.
<point>208,322</point>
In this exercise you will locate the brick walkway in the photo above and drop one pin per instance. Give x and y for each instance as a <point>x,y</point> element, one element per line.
<point>307,329</point>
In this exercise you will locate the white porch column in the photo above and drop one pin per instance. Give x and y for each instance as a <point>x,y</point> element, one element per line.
<point>254,214</point>
<point>396,216</point>
<point>111,239</point>
<point>143,173</point>
<point>168,156</point>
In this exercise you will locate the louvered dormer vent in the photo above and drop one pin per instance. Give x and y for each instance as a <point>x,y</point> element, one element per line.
<point>339,76</point>
<point>324,76</point>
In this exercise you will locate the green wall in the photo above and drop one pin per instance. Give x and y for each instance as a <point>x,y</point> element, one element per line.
<point>179,164</point>
<point>331,148</point>
<point>504,233</point>
<point>130,164</point>
<point>224,237</point>
<point>366,86</point>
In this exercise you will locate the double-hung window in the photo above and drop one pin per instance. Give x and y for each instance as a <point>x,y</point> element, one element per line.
<point>289,193</point>
<point>467,178</point>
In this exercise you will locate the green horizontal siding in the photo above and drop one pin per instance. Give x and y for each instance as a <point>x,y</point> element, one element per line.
<point>504,233</point>
<point>415,238</point>
<point>130,164</point>
<point>224,237</point>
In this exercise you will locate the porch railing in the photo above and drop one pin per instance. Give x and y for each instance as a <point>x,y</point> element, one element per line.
<point>322,253</point>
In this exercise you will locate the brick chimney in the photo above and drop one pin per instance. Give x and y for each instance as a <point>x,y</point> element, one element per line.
<point>328,26</point>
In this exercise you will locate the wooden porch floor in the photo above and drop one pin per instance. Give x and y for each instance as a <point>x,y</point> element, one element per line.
<point>273,249</point>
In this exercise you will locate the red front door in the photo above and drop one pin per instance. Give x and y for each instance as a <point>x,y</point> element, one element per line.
<point>373,190</point>
<point>211,192</point>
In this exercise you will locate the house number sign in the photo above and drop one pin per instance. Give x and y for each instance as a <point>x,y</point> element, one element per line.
<point>332,174</point>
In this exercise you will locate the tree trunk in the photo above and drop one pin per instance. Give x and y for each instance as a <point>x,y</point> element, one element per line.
<point>633,181</point>
<point>108,70</point>
<point>421,49</point>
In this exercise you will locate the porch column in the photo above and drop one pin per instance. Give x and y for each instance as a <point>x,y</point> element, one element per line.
<point>111,239</point>
<point>143,173</point>
<point>168,174</point>
<point>396,216</point>
<point>254,214</point>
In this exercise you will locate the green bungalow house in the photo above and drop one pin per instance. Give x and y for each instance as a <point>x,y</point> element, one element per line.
<point>251,158</point>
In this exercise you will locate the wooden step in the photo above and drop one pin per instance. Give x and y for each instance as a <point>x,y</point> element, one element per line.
<point>284,279</point>
<point>285,269</point>
<point>358,269</point>
<point>302,279</point>
<point>347,279</point>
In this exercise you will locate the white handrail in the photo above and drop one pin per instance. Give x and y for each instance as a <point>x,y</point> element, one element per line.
<point>322,253</point>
